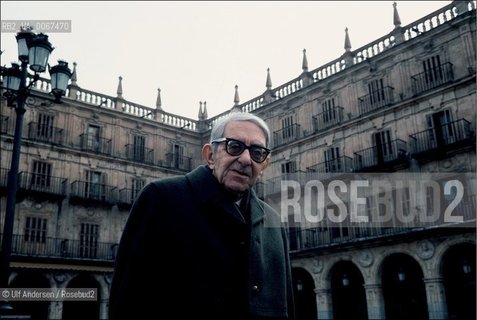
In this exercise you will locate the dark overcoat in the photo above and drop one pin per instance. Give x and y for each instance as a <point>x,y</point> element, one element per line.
<point>188,253</point>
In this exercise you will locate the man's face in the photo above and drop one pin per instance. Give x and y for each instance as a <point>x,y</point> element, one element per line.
<point>237,173</point>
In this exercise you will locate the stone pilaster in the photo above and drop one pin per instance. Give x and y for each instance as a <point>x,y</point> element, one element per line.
<point>375,301</point>
<point>324,304</point>
<point>436,299</point>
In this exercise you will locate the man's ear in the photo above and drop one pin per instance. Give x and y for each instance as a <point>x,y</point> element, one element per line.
<point>208,155</point>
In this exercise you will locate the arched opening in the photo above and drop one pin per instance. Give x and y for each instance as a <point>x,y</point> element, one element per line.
<point>78,310</point>
<point>347,292</point>
<point>403,288</point>
<point>459,281</point>
<point>304,295</point>
<point>37,310</point>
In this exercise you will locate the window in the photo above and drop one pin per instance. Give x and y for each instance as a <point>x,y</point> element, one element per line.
<point>136,187</point>
<point>178,156</point>
<point>93,185</point>
<point>287,127</point>
<point>89,234</point>
<point>93,138</point>
<point>433,70</point>
<point>404,204</point>
<point>329,110</point>
<point>289,167</point>
<point>45,126</point>
<point>35,230</point>
<point>384,149</point>
<point>294,232</point>
<point>332,161</point>
<point>441,128</point>
<point>139,143</point>
<point>41,175</point>
<point>376,91</point>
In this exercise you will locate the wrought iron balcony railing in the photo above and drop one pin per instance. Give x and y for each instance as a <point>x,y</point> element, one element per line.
<point>323,236</point>
<point>176,161</point>
<point>442,138</point>
<point>327,119</point>
<point>139,154</point>
<point>4,125</point>
<point>286,135</point>
<point>376,100</point>
<point>3,177</point>
<point>330,168</point>
<point>433,78</point>
<point>59,248</point>
<point>381,156</point>
<point>95,144</point>
<point>93,192</point>
<point>42,184</point>
<point>45,133</point>
<point>274,185</point>
<point>126,197</point>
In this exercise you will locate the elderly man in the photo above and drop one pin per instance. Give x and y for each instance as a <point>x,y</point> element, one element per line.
<point>203,246</point>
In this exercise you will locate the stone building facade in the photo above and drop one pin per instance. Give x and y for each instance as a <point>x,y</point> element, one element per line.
<point>401,106</point>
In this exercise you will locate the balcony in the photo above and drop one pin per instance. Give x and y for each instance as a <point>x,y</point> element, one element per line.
<point>86,192</point>
<point>442,139</point>
<point>330,169</point>
<point>385,157</point>
<point>326,234</point>
<point>327,119</point>
<point>126,197</point>
<point>433,78</point>
<point>4,125</point>
<point>65,249</point>
<point>139,154</point>
<point>4,180</point>
<point>44,133</point>
<point>286,135</point>
<point>274,185</point>
<point>178,162</point>
<point>41,185</point>
<point>376,100</point>
<point>95,144</point>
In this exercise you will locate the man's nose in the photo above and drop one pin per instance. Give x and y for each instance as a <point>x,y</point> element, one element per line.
<point>245,158</point>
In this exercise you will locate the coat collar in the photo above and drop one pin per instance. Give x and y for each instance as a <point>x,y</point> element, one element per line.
<point>209,191</point>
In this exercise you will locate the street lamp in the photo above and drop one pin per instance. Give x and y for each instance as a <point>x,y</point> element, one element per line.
<point>34,50</point>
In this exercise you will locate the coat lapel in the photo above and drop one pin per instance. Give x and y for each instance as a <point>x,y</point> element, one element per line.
<point>210,193</point>
<point>256,208</point>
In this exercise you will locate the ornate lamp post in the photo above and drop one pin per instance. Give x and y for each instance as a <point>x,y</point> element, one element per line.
<point>33,50</point>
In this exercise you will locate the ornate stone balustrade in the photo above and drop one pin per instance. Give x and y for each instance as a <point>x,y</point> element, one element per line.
<point>398,35</point>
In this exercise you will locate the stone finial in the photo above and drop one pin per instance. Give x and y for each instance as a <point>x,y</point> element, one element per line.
<point>236,96</point>
<point>396,18</point>
<point>204,113</point>
<point>306,76</point>
<point>347,45</point>
<point>461,6</point>
<point>304,64</point>
<point>73,92</point>
<point>269,80</point>
<point>74,77</point>
<point>268,95</point>
<point>200,110</point>
<point>158,100</point>
<point>120,88</point>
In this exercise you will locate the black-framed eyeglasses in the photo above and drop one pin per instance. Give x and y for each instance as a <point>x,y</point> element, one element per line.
<point>236,147</point>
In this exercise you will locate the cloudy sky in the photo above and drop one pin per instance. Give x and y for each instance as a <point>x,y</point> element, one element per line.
<point>198,51</point>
